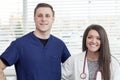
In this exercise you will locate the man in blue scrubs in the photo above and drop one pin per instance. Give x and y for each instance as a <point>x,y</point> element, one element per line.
<point>37,55</point>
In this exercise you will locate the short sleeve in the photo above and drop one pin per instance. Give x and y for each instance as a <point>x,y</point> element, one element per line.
<point>66,54</point>
<point>10,55</point>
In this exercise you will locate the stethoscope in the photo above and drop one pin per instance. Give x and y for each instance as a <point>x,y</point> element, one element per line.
<point>83,75</point>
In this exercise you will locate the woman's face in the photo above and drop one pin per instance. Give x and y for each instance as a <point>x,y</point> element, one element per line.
<point>93,41</point>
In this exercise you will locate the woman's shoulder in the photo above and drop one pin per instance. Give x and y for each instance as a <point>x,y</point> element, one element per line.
<point>78,55</point>
<point>115,61</point>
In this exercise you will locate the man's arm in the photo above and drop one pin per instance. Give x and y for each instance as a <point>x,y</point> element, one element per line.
<point>2,67</point>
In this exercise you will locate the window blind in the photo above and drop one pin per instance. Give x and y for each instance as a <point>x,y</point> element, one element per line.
<point>11,27</point>
<point>11,22</point>
<point>72,18</point>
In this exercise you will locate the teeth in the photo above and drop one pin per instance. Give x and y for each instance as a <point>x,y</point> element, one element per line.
<point>93,45</point>
<point>45,23</point>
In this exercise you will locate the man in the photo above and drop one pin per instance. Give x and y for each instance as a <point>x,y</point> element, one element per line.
<point>38,54</point>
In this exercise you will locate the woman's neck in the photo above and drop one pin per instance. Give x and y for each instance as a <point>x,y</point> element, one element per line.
<point>92,56</point>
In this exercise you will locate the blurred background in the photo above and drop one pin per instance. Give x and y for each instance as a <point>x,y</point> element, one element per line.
<point>72,18</point>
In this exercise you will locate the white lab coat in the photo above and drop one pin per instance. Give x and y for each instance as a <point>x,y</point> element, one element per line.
<point>73,67</point>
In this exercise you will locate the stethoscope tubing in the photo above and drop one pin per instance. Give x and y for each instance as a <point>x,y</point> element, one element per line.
<point>83,75</point>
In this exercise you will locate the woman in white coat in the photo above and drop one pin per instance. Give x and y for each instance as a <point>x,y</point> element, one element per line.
<point>95,62</point>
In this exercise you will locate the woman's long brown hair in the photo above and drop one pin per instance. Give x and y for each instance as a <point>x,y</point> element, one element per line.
<point>104,51</point>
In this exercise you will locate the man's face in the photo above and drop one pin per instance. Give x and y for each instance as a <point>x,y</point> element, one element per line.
<point>43,19</point>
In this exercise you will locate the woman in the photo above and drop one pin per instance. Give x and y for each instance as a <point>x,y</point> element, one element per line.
<point>95,62</point>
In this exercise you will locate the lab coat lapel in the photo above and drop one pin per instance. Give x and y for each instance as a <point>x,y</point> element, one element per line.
<point>98,76</point>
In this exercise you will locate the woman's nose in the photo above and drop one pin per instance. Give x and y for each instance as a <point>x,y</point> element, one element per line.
<point>94,40</point>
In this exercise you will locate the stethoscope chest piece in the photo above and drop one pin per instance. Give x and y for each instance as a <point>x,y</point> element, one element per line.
<point>83,75</point>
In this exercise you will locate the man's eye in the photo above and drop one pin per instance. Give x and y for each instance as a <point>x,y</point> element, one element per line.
<point>47,15</point>
<point>39,15</point>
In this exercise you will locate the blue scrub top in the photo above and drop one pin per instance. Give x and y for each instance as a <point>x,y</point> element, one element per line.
<point>33,60</point>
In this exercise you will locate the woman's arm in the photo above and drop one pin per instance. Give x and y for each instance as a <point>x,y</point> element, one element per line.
<point>67,68</point>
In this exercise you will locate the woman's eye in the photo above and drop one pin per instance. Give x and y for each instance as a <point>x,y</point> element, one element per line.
<point>89,37</point>
<point>99,38</point>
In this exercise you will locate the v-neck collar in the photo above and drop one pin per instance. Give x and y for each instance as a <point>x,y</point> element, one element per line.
<point>39,42</point>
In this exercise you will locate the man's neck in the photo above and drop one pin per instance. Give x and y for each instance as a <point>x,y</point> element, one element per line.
<point>42,35</point>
